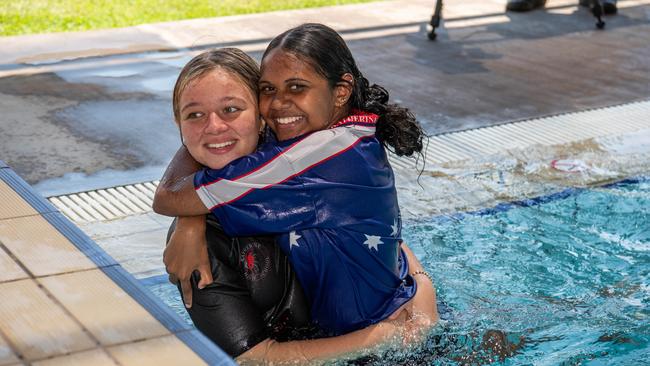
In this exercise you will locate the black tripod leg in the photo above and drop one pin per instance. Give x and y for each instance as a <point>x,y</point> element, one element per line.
<point>435,20</point>
<point>597,10</point>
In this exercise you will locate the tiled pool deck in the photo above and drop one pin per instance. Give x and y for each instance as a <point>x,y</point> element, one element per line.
<point>66,302</point>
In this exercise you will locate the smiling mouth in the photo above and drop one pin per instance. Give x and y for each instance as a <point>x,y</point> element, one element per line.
<point>287,120</point>
<point>221,145</point>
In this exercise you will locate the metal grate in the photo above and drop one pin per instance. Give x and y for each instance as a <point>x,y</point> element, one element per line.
<point>107,204</point>
<point>121,201</point>
<point>552,130</point>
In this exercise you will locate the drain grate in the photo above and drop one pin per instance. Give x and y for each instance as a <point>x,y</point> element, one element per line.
<point>107,204</point>
<point>552,130</point>
<point>121,201</point>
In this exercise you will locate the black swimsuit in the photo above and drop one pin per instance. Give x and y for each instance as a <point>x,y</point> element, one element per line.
<point>255,294</point>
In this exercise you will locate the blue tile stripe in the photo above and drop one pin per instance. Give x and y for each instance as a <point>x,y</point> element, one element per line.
<point>149,301</point>
<point>624,182</point>
<point>23,189</point>
<point>529,202</point>
<point>80,240</point>
<point>205,348</point>
<point>535,201</point>
<point>154,280</point>
<point>196,341</point>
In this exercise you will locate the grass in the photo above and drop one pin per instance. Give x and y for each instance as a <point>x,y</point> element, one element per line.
<point>44,16</point>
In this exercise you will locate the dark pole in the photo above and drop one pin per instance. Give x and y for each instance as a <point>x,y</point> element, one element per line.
<point>435,20</point>
<point>597,10</point>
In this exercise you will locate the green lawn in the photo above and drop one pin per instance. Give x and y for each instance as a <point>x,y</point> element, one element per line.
<point>42,16</point>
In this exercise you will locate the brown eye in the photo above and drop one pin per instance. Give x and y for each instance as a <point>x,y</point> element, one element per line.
<point>267,90</point>
<point>231,109</point>
<point>296,88</point>
<point>194,115</point>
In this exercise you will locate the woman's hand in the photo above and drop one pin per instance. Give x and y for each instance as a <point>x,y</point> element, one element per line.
<point>186,252</point>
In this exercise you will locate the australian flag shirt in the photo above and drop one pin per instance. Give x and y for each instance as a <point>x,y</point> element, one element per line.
<point>330,198</point>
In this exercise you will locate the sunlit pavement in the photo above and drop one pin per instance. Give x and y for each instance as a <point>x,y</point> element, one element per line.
<point>98,103</point>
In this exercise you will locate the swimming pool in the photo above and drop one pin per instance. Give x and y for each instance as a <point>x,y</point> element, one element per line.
<point>563,278</point>
<point>566,277</point>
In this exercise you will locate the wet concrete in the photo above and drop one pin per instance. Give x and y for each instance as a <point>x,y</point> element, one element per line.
<point>113,113</point>
<point>52,126</point>
<point>538,64</point>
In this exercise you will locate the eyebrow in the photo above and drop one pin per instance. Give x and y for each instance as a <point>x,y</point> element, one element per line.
<point>295,79</point>
<point>189,105</point>
<point>230,97</point>
<point>286,81</point>
<point>224,99</point>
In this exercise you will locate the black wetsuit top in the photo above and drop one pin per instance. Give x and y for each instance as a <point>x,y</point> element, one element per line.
<point>255,294</point>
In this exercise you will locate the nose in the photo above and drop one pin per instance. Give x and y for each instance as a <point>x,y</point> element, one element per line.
<point>280,101</point>
<point>215,124</point>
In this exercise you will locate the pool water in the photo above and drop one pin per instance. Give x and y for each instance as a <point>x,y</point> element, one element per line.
<point>566,278</point>
<point>558,280</point>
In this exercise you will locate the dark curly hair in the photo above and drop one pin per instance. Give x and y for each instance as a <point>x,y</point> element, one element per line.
<point>325,50</point>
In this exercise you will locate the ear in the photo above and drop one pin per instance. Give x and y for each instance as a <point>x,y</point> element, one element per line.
<point>262,124</point>
<point>343,89</point>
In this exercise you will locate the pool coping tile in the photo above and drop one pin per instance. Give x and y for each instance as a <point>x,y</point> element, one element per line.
<point>80,240</point>
<point>93,357</point>
<point>103,308</point>
<point>40,247</point>
<point>36,326</point>
<point>168,350</point>
<point>7,354</point>
<point>13,205</point>
<point>24,190</point>
<point>11,270</point>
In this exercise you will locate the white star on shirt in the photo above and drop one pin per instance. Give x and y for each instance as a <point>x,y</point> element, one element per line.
<point>293,239</point>
<point>373,241</point>
<point>394,227</point>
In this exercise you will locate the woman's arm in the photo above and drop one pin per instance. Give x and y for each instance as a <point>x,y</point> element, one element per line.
<point>175,195</point>
<point>318,351</point>
<point>425,306</point>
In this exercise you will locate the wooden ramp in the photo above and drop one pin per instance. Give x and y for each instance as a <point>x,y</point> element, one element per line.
<point>66,302</point>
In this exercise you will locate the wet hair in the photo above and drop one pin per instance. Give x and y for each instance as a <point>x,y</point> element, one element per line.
<point>233,60</point>
<point>324,49</point>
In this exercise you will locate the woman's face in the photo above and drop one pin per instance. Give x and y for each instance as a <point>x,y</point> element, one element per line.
<point>294,98</point>
<point>218,119</point>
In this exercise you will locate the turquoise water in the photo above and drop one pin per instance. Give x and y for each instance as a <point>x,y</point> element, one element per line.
<point>559,280</point>
<point>565,279</point>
